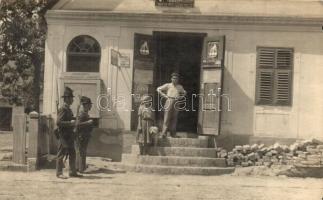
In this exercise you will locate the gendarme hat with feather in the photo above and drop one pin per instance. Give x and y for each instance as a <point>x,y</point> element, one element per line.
<point>68,92</point>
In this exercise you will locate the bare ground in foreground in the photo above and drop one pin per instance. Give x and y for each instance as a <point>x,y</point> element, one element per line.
<point>102,183</point>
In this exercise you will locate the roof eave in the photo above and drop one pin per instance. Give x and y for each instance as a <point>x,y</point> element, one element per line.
<point>54,16</point>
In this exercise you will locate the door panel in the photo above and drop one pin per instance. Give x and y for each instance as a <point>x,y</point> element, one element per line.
<point>211,85</point>
<point>143,72</point>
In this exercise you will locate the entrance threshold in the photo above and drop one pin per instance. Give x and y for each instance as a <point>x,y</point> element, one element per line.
<point>186,134</point>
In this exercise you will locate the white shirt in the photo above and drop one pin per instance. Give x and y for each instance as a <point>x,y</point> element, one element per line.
<point>172,90</point>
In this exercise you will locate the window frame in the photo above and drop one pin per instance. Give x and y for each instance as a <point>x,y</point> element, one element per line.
<point>275,101</point>
<point>83,54</point>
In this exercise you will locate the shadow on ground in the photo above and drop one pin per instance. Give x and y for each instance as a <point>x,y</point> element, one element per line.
<point>94,170</point>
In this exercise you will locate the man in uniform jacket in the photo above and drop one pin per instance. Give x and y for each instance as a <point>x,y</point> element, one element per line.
<point>66,125</point>
<point>84,134</point>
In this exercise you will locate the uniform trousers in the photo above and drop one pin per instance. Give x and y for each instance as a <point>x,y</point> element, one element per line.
<point>62,152</point>
<point>81,149</point>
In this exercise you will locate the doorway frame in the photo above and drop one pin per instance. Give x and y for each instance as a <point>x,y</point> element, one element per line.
<point>201,36</point>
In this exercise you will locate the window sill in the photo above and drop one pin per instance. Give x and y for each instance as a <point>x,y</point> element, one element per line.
<point>273,109</point>
<point>81,75</point>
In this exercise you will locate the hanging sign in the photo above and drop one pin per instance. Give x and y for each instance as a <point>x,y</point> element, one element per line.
<point>175,3</point>
<point>212,55</point>
<point>114,57</point>
<point>120,60</point>
<point>124,60</point>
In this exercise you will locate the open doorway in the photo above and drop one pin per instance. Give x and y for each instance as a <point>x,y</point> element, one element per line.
<point>180,52</point>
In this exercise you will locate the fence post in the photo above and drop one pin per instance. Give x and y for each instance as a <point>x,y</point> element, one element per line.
<point>19,139</point>
<point>52,138</point>
<point>33,147</point>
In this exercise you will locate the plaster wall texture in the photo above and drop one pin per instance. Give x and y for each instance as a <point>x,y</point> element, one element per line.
<point>302,119</point>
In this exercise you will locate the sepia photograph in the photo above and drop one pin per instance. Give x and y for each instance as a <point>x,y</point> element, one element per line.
<point>161,99</point>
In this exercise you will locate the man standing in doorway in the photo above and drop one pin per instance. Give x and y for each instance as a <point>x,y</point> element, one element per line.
<point>172,92</point>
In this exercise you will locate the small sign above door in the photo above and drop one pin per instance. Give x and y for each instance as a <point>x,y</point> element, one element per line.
<point>175,3</point>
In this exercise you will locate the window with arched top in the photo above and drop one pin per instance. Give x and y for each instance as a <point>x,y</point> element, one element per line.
<point>83,55</point>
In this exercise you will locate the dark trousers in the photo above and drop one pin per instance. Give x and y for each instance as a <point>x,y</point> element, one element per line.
<point>81,148</point>
<point>62,152</point>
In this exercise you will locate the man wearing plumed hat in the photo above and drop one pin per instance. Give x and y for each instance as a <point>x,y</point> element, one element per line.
<point>66,125</point>
<point>172,92</point>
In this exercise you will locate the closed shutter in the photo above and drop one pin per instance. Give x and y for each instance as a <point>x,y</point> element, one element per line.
<point>265,86</point>
<point>283,87</point>
<point>274,76</point>
<point>283,76</point>
<point>284,58</point>
<point>266,58</point>
<point>265,75</point>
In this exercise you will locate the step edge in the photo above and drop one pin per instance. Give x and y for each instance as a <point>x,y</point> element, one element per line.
<point>174,166</point>
<point>179,157</point>
<point>179,147</point>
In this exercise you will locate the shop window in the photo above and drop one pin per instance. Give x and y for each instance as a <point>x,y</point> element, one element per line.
<point>83,55</point>
<point>5,118</point>
<point>274,76</point>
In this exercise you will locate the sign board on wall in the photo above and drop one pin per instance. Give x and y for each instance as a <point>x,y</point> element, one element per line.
<point>124,60</point>
<point>120,59</point>
<point>175,3</point>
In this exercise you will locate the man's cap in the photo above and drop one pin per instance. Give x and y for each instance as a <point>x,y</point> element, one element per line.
<point>174,74</point>
<point>68,92</point>
<point>85,100</point>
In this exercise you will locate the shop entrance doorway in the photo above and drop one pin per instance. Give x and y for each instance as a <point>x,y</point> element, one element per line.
<point>180,52</point>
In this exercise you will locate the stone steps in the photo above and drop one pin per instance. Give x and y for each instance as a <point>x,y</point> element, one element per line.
<point>173,161</point>
<point>200,142</point>
<point>177,151</point>
<point>174,170</point>
<point>178,156</point>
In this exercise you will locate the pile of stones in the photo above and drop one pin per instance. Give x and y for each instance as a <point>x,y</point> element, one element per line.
<point>303,153</point>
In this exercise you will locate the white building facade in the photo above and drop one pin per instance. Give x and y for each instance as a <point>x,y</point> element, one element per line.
<point>268,61</point>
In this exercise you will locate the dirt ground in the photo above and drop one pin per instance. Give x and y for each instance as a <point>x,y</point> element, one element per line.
<point>102,183</point>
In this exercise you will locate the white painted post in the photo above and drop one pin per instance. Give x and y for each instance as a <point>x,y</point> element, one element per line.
<point>33,147</point>
<point>19,139</point>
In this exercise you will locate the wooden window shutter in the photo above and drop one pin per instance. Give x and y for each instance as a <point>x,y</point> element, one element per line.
<point>265,69</point>
<point>265,86</point>
<point>283,87</point>
<point>266,58</point>
<point>274,76</point>
<point>284,59</point>
<point>283,76</point>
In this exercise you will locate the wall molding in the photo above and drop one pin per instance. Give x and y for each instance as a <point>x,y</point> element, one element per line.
<point>55,16</point>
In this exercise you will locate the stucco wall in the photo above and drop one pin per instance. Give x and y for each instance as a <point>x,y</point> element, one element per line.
<point>301,120</point>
